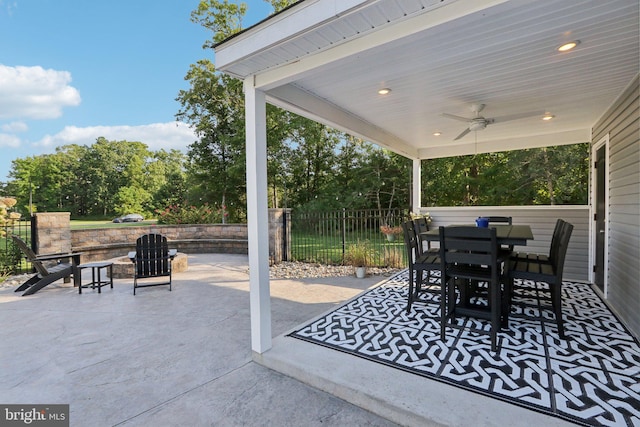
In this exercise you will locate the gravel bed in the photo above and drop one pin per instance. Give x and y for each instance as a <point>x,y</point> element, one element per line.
<point>300,270</point>
<point>15,281</point>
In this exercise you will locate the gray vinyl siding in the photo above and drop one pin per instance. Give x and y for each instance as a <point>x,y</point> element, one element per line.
<point>622,123</point>
<point>542,220</point>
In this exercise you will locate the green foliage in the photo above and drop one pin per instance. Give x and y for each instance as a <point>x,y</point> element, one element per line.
<point>190,214</point>
<point>9,253</point>
<point>131,199</point>
<point>9,258</point>
<point>551,175</point>
<point>102,179</point>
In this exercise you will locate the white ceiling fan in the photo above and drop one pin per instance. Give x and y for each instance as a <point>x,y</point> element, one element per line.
<point>479,123</point>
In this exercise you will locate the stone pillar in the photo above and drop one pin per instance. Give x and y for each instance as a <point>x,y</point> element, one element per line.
<point>279,235</point>
<point>52,232</point>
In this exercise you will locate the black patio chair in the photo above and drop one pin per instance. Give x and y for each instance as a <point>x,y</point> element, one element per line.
<point>420,261</point>
<point>553,248</point>
<point>543,268</point>
<point>49,268</point>
<point>470,257</point>
<point>422,226</point>
<point>152,259</point>
<point>502,220</point>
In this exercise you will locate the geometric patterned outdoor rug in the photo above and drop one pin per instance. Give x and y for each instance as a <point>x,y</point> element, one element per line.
<point>591,378</point>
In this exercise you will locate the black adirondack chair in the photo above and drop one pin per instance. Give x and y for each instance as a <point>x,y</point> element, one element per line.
<point>49,268</point>
<point>152,259</point>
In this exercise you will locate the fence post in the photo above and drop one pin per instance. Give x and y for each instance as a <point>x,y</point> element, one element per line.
<point>344,233</point>
<point>51,232</point>
<point>285,236</point>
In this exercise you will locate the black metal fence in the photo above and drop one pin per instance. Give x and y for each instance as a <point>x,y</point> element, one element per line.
<point>12,260</point>
<point>325,237</point>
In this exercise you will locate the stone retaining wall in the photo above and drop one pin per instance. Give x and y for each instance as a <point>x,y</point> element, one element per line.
<point>53,235</point>
<point>105,243</point>
<point>54,232</point>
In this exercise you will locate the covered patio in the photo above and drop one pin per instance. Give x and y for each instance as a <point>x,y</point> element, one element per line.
<point>328,61</point>
<point>405,75</point>
<point>183,357</point>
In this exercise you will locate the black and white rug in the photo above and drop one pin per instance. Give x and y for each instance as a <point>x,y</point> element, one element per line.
<point>591,378</point>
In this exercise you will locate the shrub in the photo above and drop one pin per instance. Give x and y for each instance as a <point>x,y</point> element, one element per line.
<point>7,218</point>
<point>10,256</point>
<point>393,257</point>
<point>359,254</point>
<point>179,214</point>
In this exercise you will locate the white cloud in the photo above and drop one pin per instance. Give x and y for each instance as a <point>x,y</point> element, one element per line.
<point>14,127</point>
<point>35,93</point>
<point>7,140</point>
<point>9,6</point>
<point>172,135</point>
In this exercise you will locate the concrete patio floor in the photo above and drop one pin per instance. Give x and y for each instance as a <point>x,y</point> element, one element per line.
<point>180,358</point>
<point>183,358</point>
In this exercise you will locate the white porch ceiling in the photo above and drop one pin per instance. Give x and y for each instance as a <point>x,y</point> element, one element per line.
<point>326,59</point>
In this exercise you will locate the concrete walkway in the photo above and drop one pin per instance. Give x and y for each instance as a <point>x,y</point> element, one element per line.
<point>180,358</point>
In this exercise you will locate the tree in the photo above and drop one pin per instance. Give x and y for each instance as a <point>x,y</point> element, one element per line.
<point>311,163</point>
<point>214,105</point>
<point>386,176</point>
<point>108,177</point>
<point>551,175</point>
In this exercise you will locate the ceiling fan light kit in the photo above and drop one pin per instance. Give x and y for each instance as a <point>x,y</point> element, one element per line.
<point>480,123</point>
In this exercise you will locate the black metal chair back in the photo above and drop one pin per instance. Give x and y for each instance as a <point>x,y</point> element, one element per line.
<point>421,226</point>
<point>419,261</point>
<point>470,255</point>
<point>502,220</point>
<point>540,268</point>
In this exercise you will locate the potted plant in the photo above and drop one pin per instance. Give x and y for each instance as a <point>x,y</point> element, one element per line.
<point>359,255</point>
<point>390,232</point>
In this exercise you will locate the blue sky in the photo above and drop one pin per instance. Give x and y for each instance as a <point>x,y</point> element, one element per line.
<point>74,70</point>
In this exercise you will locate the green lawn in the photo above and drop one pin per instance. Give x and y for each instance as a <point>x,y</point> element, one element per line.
<point>77,224</point>
<point>328,249</point>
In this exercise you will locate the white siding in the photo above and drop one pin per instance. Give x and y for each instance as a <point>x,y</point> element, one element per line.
<point>622,123</point>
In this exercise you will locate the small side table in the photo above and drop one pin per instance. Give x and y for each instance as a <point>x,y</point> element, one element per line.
<point>96,280</point>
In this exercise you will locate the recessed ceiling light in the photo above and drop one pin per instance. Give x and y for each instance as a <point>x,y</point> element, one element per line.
<point>568,46</point>
<point>547,116</point>
<point>437,133</point>
<point>384,91</point>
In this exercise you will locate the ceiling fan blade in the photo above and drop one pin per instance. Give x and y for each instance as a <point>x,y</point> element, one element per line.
<point>517,116</point>
<point>464,132</point>
<point>454,117</point>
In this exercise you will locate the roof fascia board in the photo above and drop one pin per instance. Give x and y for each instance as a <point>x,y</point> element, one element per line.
<point>305,104</point>
<point>576,136</point>
<point>310,64</point>
<point>281,27</point>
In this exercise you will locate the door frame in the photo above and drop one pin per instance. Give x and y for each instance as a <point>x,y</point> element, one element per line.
<point>604,141</point>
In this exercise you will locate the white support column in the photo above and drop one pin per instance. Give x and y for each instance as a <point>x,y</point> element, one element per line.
<point>257,217</point>
<point>416,201</point>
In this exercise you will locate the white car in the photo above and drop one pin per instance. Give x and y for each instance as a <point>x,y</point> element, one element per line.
<point>129,218</point>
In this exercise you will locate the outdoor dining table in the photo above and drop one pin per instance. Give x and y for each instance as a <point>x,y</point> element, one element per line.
<point>516,235</point>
